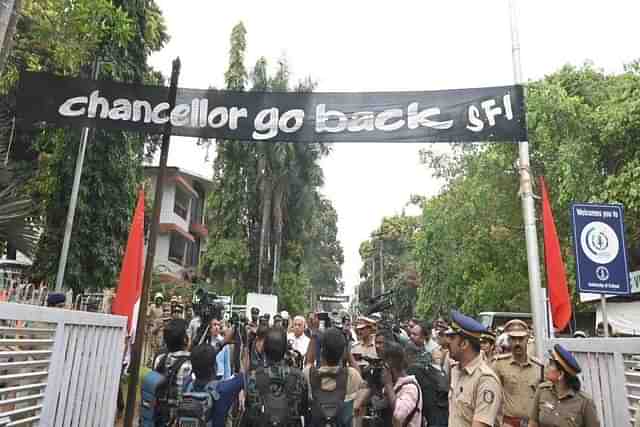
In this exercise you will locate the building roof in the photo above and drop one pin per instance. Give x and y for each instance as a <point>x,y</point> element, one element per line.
<point>174,170</point>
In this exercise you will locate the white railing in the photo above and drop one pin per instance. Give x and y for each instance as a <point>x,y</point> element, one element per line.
<point>59,367</point>
<point>609,375</point>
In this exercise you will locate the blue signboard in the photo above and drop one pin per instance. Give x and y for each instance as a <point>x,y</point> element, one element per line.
<point>601,256</point>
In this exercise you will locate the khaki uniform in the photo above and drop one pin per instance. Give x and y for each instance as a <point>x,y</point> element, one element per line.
<point>475,394</point>
<point>366,349</point>
<point>519,383</point>
<point>574,409</point>
<point>155,321</point>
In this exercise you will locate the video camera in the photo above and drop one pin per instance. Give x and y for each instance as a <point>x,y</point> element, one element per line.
<point>380,303</point>
<point>207,307</point>
<point>372,373</point>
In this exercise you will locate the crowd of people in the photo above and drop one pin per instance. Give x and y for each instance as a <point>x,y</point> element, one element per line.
<point>324,370</point>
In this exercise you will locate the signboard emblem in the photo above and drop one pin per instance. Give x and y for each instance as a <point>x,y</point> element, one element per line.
<point>599,242</point>
<point>602,273</point>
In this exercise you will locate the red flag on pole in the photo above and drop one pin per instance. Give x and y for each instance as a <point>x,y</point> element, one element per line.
<point>127,299</point>
<point>556,275</point>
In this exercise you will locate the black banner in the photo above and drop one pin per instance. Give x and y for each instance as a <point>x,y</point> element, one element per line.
<point>461,115</point>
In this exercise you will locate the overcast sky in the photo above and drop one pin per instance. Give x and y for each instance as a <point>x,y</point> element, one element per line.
<point>355,46</point>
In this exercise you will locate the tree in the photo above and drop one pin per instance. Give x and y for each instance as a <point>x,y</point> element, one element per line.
<point>261,208</point>
<point>471,250</point>
<point>388,258</point>
<point>56,37</point>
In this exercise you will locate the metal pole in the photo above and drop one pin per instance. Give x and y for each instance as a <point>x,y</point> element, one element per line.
<point>84,137</point>
<point>373,275</point>
<point>138,345</point>
<point>528,207</point>
<point>605,321</point>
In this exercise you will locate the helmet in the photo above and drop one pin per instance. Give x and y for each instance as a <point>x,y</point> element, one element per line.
<point>285,315</point>
<point>158,295</point>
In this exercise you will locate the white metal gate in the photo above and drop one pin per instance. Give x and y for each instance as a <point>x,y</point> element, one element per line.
<point>610,375</point>
<point>59,367</point>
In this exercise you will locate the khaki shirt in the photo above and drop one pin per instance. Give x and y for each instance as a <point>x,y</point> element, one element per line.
<point>475,394</point>
<point>574,409</point>
<point>368,350</point>
<point>519,383</point>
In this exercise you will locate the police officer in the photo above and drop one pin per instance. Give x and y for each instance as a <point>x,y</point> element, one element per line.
<point>559,402</point>
<point>266,386</point>
<point>475,396</point>
<point>366,334</point>
<point>519,373</point>
<point>155,317</point>
<point>488,345</point>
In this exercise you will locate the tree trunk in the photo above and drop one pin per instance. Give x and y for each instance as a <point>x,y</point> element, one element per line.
<point>265,226</point>
<point>278,223</point>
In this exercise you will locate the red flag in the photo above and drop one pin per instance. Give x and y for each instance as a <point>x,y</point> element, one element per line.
<point>127,299</point>
<point>556,275</point>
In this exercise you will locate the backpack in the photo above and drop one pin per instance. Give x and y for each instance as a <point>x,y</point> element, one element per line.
<point>328,407</point>
<point>275,397</point>
<point>159,397</point>
<point>197,407</point>
<point>434,384</point>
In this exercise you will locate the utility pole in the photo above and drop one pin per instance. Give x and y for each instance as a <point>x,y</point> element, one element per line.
<point>528,207</point>
<point>138,344</point>
<point>381,269</point>
<point>373,276</point>
<point>71,212</point>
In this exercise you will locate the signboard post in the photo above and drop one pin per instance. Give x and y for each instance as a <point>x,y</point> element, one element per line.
<point>601,256</point>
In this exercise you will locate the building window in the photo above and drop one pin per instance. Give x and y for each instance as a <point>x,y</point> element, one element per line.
<point>181,206</point>
<point>177,247</point>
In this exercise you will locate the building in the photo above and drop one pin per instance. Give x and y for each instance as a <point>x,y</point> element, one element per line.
<point>183,232</point>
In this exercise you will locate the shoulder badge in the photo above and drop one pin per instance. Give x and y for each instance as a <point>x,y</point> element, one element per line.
<point>488,396</point>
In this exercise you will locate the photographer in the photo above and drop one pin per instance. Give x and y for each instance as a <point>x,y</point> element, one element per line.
<point>332,386</point>
<point>402,391</point>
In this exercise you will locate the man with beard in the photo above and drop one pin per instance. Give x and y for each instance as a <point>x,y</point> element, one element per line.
<point>519,373</point>
<point>475,397</point>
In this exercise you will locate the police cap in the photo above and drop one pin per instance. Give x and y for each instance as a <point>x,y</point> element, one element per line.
<point>465,325</point>
<point>516,328</point>
<point>566,360</point>
<point>56,298</point>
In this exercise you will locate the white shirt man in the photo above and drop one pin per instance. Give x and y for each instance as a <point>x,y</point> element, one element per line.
<point>299,340</point>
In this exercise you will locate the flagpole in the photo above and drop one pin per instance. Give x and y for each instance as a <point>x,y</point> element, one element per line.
<point>138,344</point>
<point>528,207</point>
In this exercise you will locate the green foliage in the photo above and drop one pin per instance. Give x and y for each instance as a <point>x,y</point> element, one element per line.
<point>63,37</point>
<point>583,125</point>
<point>390,252</point>
<point>269,228</point>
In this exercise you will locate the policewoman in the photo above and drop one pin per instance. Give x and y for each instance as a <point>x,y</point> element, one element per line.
<point>559,401</point>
